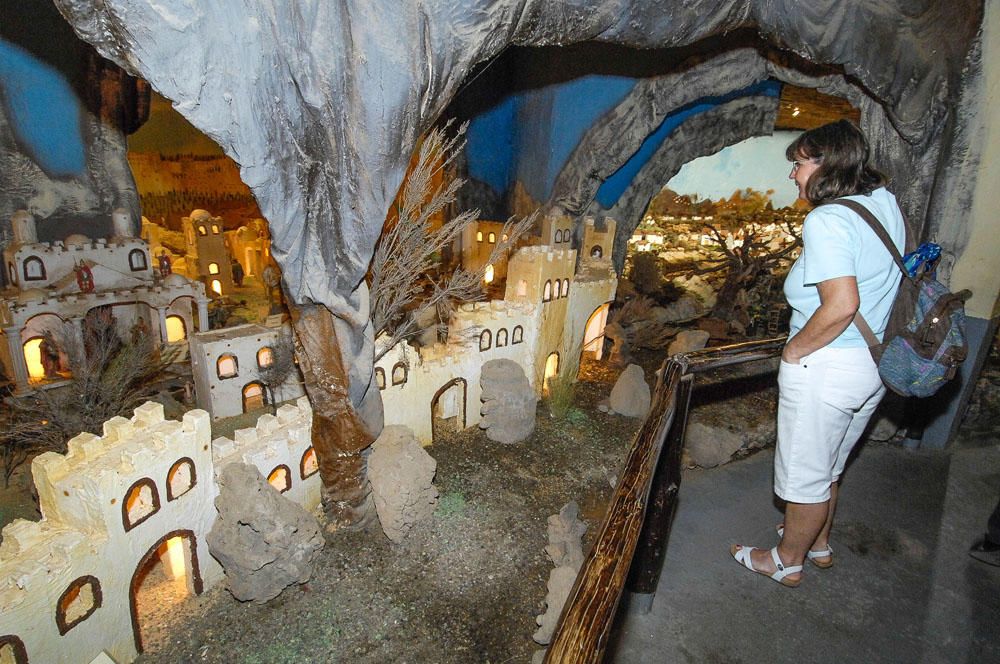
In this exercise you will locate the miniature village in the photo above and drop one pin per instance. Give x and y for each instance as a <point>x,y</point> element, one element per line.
<point>278,388</point>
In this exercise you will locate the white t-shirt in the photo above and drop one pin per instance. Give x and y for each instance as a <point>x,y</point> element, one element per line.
<point>838,243</point>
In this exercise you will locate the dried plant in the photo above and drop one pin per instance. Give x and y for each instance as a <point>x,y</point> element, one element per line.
<point>280,369</point>
<point>404,279</point>
<point>642,329</point>
<point>109,377</point>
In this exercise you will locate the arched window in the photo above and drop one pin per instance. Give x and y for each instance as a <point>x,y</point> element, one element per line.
<point>280,478</point>
<point>488,274</point>
<point>216,286</point>
<point>227,366</point>
<point>398,373</point>
<point>547,291</point>
<point>309,464</point>
<point>253,396</point>
<point>12,650</point>
<point>137,260</point>
<point>380,378</point>
<point>176,329</point>
<point>565,288</point>
<point>202,230</point>
<point>78,603</point>
<point>596,251</point>
<point>142,501</point>
<point>479,236</point>
<point>215,229</point>
<point>265,357</point>
<point>485,340</point>
<point>493,238</point>
<point>501,337</point>
<point>213,268</point>
<point>34,269</point>
<point>11,272</point>
<point>517,335</point>
<point>180,478</point>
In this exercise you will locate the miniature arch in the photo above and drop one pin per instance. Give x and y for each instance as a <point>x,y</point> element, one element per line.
<point>280,478</point>
<point>265,356</point>
<point>78,602</point>
<point>309,464</point>
<point>227,366</point>
<point>194,577</point>
<point>565,288</point>
<point>380,378</point>
<point>254,396</point>
<point>12,649</point>
<point>33,269</point>
<point>399,372</point>
<point>597,251</point>
<point>137,260</point>
<point>492,238</point>
<point>485,340</point>
<point>501,337</point>
<point>517,335</point>
<point>142,501</point>
<point>181,478</point>
<point>547,291</point>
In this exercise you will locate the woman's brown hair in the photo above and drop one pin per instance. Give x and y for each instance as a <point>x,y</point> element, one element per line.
<point>842,152</point>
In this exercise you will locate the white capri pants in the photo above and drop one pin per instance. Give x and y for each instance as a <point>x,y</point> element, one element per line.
<point>824,404</point>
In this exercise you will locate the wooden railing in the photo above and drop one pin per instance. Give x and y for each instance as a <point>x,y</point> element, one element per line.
<point>631,542</point>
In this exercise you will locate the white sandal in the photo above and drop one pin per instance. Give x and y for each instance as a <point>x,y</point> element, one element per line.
<point>813,556</point>
<point>742,555</point>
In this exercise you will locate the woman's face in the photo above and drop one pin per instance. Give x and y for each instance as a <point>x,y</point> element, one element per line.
<point>802,169</point>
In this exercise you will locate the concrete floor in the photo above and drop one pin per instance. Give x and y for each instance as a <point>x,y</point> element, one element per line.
<point>903,588</point>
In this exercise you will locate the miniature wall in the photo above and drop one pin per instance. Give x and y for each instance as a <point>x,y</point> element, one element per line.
<point>108,505</point>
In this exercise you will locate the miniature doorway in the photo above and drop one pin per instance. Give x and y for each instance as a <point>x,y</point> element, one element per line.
<point>253,397</point>
<point>593,334</point>
<point>164,577</point>
<point>176,330</point>
<point>551,369</point>
<point>448,408</point>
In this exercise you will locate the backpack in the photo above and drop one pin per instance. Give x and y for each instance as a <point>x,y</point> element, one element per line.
<point>924,341</point>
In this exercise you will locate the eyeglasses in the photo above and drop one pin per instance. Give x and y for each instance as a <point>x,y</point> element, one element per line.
<point>798,163</point>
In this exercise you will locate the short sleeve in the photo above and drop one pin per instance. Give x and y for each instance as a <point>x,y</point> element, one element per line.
<point>829,246</point>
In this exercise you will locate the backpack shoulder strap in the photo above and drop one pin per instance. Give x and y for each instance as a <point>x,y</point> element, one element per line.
<point>876,226</point>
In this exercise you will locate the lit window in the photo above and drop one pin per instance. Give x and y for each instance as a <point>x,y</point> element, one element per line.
<point>596,251</point>
<point>137,260</point>
<point>176,329</point>
<point>493,238</point>
<point>180,478</point>
<point>488,274</point>
<point>213,268</point>
<point>217,286</point>
<point>202,230</point>
<point>565,288</point>
<point>34,269</point>
<point>547,292</point>
<point>517,336</point>
<point>141,502</point>
<point>309,464</point>
<point>380,378</point>
<point>78,603</point>
<point>227,366</point>
<point>485,340</point>
<point>280,478</point>
<point>33,358</point>
<point>253,397</point>
<point>215,229</point>
<point>265,356</point>
<point>504,238</point>
<point>479,236</point>
<point>501,337</point>
<point>399,373</point>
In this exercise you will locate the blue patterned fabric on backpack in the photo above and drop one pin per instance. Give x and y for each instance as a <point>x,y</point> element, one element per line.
<point>924,341</point>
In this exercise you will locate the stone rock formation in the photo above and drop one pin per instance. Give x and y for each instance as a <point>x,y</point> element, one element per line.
<point>687,341</point>
<point>620,354</point>
<point>401,473</point>
<point>630,396</point>
<point>709,446</point>
<point>565,549</point>
<point>686,308</point>
<point>508,402</point>
<point>264,541</point>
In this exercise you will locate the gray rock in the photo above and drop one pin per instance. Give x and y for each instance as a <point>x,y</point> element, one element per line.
<point>508,402</point>
<point>560,583</point>
<point>264,541</point>
<point>687,341</point>
<point>401,473</point>
<point>566,537</point>
<point>710,446</point>
<point>762,435</point>
<point>630,395</point>
<point>687,308</point>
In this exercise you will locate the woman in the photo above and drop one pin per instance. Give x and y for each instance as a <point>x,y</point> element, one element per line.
<point>828,383</point>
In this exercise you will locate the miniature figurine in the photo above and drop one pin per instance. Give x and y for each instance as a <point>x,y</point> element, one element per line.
<point>84,277</point>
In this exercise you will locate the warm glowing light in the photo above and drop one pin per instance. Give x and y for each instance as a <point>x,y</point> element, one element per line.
<point>551,368</point>
<point>175,562</point>
<point>213,268</point>
<point>217,286</point>
<point>175,329</point>
<point>33,358</point>
<point>795,112</point>
<point>488,274</point>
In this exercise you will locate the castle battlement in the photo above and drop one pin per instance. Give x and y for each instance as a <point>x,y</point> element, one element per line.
<point>45,301</point>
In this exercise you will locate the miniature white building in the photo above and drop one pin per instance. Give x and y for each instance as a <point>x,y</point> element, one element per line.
<point>207,258</point>
<point>117,504</point>
<point>59,283</point>
<point>226,366</point>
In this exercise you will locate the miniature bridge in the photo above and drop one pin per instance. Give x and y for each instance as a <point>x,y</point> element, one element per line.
<point>630,545</point>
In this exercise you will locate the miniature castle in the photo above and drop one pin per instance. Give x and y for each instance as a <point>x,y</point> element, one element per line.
<point>58,283</point>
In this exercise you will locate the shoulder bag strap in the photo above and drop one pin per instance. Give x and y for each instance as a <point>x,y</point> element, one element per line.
<point>879,230</point>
